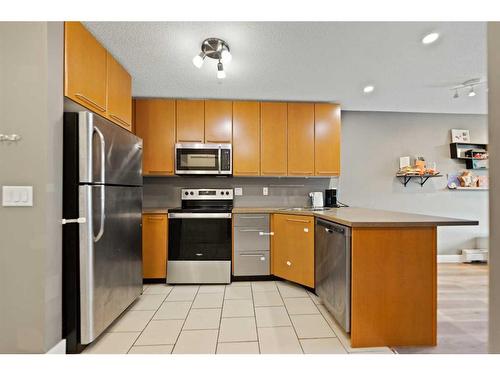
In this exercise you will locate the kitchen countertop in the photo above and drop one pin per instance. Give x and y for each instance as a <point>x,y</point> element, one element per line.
<point>365,217</point>
<point>154,210</point>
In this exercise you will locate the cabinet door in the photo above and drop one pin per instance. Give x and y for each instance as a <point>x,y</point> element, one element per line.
<point>273,148</point>
<point>300,139</point>
<point>84,68</point>
<point>326,139</point>
<point>293,248</point>
<point>218,121</point>
<point>246,138</point>
<point>190,121</point>
<point>155,124</point>
<point>119,94</point>
<point>154,246</point>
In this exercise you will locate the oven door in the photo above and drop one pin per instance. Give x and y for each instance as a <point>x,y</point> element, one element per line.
<point>197,158</point>
<point>199,236</point>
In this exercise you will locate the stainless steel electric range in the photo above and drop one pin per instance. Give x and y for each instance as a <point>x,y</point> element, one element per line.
<point>200,238</point>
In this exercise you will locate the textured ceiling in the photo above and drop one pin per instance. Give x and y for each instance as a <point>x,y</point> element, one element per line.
<point>323,61</point>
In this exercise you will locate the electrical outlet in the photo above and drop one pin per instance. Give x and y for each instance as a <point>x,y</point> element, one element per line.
<point>238,191</point>
<point>265,191</point>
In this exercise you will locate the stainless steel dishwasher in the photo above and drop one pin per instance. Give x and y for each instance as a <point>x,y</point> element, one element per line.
<point>333,270</point>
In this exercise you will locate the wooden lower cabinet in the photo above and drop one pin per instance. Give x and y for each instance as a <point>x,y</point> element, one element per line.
<point>154,245</point>
<point>293,248</point>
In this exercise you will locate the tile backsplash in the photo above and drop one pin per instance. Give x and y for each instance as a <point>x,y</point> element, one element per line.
<point>282,191</point>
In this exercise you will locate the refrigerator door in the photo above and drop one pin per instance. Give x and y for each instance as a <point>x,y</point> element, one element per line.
<point>108,154</point>
<point>110,255</point>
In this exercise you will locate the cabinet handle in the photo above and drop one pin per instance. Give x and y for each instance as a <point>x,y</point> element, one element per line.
<point>328,173</point>
<point>116,118</point>
<point>298,221</point>
<point>266,233</point>
<point>288,263</point>
<point>160,171</point>
<point>216,141</point>
<point>247,172</point>
<point>301,172</point>
<point>90,101</point>
<point>250,230</point>
<point>155,219</point>
<point>190,140</point>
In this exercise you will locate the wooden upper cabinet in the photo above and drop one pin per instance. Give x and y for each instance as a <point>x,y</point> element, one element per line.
<point>119,108</point>
<point>218,121</point>
<point>190,120</point>
<point>154,246</point>
<point>300,139</point>
<point>273,148</point>
<point>155,124</point>
<point>84,68</point>
<point>327,139</point>
<point>246,138</point>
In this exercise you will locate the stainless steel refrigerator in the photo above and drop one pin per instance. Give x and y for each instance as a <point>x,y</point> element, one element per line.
<point>102,205</point>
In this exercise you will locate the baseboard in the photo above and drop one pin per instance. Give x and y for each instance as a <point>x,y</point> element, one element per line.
<point>59,348</point>
<point>449,258</point>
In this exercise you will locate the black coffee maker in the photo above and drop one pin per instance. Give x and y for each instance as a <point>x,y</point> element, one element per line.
<point>331,198</point>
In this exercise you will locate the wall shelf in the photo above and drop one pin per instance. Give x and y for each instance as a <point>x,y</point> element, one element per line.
<point>458,151</point>
<point>468,188</point>
<point>423,178</point>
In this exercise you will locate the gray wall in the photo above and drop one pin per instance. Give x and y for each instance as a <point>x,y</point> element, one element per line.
<point>31,104</point>
<point>283,192</point>
<point>372,143</point>
<point>494,123</point>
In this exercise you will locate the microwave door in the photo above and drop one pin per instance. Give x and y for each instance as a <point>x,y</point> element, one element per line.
<point>197,161</point>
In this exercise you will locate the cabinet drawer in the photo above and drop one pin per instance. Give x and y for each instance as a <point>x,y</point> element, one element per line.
<point>251,238</point>
<point>251,220</point>
<point>251,263</point>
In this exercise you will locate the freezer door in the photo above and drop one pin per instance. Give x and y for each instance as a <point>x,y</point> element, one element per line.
<point>108,153</point>
<point>110,255</point>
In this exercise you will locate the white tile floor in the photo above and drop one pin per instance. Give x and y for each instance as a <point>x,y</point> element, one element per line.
<point>241,318</point>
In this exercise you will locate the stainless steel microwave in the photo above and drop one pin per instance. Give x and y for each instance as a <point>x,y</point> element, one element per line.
<point>203,159</point>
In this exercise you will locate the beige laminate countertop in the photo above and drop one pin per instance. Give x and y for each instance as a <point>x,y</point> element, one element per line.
<point>154,210</point>
<point>365,217</point>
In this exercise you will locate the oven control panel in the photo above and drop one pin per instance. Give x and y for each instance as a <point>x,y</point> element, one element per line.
<point>206,194</point>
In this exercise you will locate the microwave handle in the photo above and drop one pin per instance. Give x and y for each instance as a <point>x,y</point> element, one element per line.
<point>220,160</point>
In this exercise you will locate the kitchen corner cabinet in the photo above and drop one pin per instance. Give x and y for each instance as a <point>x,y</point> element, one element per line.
<point>154,246</point>
<point>85,68</point>
<point>190,122</point>
<point>218,121</point>
<point>119,88</point>
<point>273,146</point>
<point>246,138</point>
<point>292,249</point>
<point>155,124</point>
<point>300,139</point>
<point>326,139</point>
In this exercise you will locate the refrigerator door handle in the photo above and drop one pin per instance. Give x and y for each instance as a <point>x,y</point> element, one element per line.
<point>103,154</point>
<point>102,214</point>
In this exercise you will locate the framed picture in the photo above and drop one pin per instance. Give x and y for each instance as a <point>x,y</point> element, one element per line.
<point>460,136</point>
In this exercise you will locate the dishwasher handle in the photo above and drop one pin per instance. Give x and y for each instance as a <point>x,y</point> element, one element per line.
<point>331,228</point>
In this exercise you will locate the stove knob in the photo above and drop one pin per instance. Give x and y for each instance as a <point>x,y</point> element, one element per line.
<point>191,193</point>
<point>186,193</point>
<point>227,192</point>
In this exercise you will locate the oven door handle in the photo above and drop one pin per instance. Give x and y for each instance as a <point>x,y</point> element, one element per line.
<point>190,215</point>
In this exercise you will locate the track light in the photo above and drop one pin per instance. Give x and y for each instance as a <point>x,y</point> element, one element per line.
<point>455,96</point>
<point>198,60</point>
<point>221,74</point>
<point>472,92</point>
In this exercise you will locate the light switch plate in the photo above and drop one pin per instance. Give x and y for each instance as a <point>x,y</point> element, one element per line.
<point>265,191</point>
<point>238,191</point>
<point>17,196</point>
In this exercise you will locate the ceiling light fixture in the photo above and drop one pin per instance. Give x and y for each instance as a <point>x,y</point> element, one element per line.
<point>430,38</point>
<point>221,74</point>
<point>216,49</point>
<point>368,89</point>
<point>198,60</point>
<point>470,85</point>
